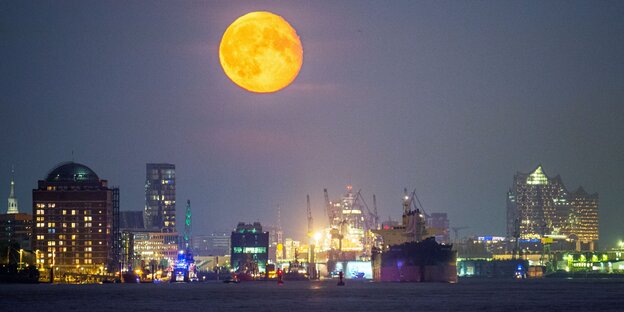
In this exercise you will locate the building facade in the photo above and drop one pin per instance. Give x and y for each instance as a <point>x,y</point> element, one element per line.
<point>160,198</point>
<point>154,247</point>
<point>250,247</point>
<point>539,206</point>
<point>215,244</point>
<point>73,227</point>
<point>16,228</point>
<point>131,220</point>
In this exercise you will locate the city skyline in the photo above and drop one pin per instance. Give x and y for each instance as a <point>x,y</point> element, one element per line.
<point>449,98</point>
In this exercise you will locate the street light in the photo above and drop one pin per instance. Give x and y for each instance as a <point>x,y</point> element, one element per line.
<point>19,265</point>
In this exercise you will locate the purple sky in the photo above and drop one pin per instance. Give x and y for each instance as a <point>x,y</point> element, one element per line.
<point>450,98</point>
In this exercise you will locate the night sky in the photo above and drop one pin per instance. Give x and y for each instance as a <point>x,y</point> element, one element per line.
<point>451,98</point>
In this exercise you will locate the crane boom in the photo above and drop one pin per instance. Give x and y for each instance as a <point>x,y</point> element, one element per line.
<point>309,211</point>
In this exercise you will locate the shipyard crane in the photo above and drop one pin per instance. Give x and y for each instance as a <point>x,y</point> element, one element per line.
<point>309,212</point>
<point>328,208</point>
<point>371,216</point>
<point>311,249</point>
<point>375,211</point>
<point>411,203</point>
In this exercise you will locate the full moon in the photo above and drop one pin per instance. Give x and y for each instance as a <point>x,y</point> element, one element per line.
<point>261,52</point>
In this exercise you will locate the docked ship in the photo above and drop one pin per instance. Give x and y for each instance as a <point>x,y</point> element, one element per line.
<point>407,254</point>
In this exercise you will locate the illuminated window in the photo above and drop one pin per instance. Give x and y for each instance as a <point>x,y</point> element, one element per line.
<point>537,177</point>
<point>73,212</point>
<point>89,249</point>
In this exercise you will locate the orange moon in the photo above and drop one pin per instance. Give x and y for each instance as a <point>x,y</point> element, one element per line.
<point>261,52</point>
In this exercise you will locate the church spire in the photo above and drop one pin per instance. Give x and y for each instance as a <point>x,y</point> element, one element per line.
<point>12,200</point>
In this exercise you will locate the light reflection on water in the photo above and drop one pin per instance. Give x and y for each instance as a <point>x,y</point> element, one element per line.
<point>467,295</point>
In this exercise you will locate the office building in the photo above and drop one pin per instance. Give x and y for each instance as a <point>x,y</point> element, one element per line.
<point>250,247</point>
<point>215,244</point>
<point>160,198</point>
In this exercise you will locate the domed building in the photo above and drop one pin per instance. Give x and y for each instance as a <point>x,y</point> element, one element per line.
<point>74,213</point>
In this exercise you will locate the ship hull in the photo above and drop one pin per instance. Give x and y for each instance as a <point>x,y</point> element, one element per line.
<point>425,261</point>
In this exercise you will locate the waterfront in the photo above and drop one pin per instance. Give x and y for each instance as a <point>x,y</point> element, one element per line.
<point>467,295</point>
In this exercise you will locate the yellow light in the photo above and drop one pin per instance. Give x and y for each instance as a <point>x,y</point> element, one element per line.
<point>261,52</point>
<point>318,236</point>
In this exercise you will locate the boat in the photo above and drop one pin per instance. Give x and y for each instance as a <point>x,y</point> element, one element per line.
<point>423,261</point>
<point>408,255</point>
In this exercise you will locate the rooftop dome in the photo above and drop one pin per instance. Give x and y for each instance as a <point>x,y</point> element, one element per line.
<point>72,172</point>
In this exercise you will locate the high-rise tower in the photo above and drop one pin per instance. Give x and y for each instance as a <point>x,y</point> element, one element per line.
<point>160,198</point>
<point>12,200</point>
<point>538,205</point>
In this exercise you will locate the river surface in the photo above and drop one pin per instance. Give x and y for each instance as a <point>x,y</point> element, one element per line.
<point>467,295</point>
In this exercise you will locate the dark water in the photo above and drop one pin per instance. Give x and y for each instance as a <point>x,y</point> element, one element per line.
<point>576,295</point>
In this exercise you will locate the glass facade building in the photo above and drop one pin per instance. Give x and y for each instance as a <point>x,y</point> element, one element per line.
<point>540,206</point>
<point>160,198</point>
<point>250,247</point>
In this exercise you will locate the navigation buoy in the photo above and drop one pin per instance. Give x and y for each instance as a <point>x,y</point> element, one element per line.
<point>341,282</point>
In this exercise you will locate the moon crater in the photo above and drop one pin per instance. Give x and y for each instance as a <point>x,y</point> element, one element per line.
<point>261,52</point>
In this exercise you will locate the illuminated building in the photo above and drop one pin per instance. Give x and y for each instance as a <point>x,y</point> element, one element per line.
<point>74,215</point>
<point>160,198</point>
<point>292,250</point>
<point>540,206</point>
<point>350,225</point>
<point>154,248</point>
<point>583,218</point>
<point>215,244</point>
<point>250,247</point>
<point>16,228</point>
